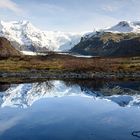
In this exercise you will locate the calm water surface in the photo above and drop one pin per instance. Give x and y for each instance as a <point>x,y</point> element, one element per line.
<point>70,110</point>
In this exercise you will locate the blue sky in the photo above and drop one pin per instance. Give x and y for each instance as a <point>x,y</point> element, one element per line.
<point>70,15</point>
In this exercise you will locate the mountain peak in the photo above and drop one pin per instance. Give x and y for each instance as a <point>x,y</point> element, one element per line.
<point>125,27</point>
<point>124,24</point>
<point>24,22</point>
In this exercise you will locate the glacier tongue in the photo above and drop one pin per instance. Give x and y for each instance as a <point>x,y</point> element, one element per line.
<point>24,33</point>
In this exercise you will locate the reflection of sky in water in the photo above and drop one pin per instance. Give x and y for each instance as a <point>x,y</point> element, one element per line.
<point>74,116</point>
<point>69,118</point>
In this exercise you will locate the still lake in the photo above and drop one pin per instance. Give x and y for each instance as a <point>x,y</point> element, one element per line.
<point>70,110</point>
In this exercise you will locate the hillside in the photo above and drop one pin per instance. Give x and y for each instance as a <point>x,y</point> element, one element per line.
<point>109,44</point>
<point>6,49</point>
<point>122,39</point>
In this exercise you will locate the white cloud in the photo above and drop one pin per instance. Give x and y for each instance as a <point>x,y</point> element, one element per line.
<point>10,5</point>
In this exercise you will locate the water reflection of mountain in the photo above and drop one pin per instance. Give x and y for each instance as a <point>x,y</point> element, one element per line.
<point>24,95</point>
<point>108,88</point>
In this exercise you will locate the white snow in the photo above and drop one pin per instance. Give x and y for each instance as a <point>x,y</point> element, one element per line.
<point>32,53</point>
<point>82,56</point>
<point>29,53</point>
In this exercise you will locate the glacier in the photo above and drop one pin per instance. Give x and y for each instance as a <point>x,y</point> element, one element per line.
<point>28,36</point>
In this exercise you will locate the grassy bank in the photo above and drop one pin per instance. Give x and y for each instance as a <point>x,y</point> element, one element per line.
<point>69,63</point>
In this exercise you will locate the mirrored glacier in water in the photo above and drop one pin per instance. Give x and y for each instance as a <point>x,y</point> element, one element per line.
<point>24,95</point>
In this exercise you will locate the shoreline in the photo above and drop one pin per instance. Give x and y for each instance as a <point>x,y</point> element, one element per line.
<point>58,66</point>
<point>65,75</point>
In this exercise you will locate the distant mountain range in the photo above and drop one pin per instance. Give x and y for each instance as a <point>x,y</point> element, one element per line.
<point>122,39</point>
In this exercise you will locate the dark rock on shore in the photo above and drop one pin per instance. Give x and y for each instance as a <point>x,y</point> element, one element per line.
<point>44,74</point>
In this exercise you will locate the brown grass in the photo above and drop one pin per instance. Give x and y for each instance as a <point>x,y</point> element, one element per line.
<point>69,63</point>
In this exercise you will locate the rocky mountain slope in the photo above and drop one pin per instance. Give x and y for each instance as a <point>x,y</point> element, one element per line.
<point>6,49</point>
<point>122,39</point>
<point>26,37</point>
<point>109,44</point>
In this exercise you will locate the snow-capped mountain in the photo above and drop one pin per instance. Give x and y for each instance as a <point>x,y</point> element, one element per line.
<point>121,27</point>
<point>120,40</point>
<point>125,27</point>
<point>24,95</point>
<point>27,37</point>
